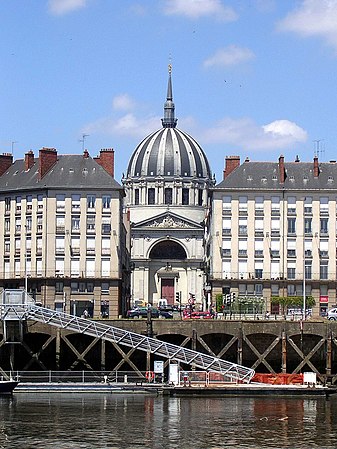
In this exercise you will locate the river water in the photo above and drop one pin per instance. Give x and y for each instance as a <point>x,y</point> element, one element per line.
<point>116,421</point>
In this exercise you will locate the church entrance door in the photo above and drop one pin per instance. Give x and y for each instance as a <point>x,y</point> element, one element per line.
<point>167,290</point>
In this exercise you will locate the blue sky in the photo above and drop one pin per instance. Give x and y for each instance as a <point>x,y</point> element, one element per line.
<point>255,78</point>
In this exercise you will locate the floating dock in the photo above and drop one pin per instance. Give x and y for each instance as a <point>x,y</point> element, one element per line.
<point>248,390</point>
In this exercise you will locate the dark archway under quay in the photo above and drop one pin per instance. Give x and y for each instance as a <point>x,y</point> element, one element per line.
<point>267,347</point>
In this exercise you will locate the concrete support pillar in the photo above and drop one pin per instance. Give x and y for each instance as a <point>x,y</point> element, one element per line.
<point>284,352</point>
<point>240,342</point>
<point>103,355</point>
<point>329,354</point>
<point>58,348</point>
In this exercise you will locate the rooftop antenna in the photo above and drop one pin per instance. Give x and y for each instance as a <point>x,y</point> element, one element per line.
<point>83,140</point>
<point>13,143</point>
<point>319,152</point>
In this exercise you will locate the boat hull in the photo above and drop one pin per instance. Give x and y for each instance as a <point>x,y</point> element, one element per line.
<point>7,386</point>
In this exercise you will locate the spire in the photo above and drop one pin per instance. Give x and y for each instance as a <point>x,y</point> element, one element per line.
<point>169,121</point>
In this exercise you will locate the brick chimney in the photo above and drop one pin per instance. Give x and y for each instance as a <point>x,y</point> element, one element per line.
<point>107,160</point>
<point>316,167</point>
<point>29,160</point>
<point>281,169</point>
<point>232,162</point>
<point>6,160</point>
<point>85,154</point>
<point>47,158</point>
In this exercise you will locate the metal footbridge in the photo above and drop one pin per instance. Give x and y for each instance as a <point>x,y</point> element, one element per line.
<point>18,305</point>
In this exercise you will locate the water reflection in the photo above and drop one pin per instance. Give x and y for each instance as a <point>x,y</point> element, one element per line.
<point>137,421</point>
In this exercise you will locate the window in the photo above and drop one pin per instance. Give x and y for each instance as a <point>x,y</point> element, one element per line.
<point>59,245</point>
<point>91,199</point>
<point>291,225</point>
<point>323,270</point>
<point>18,203</point>
<point>90,223</point>
<point>75,223</point>
<point>227,203</point>
<point>18,225</point>
<point>60,202</point>
<point>7,246</point>
<point>106,246</point>
<point>59,266</point>
<point>74,287</point>
<point>105,287</point>
<point>151,196</point>
<point>39,267</point>
<point>106,225</point>
<point>185,197</point>
<point>39,224</point>
<point>28,224</point>
<point>291,289</point>
<point>40,201</point>
<point>105,267</point>
<point>136,197</point>
<point>308,270</point>
<point>90,267</point>
<point>275,203</point>
<point>291,272</point>
<point>7,225</point>
<point>259,204</point>
<point>308,225</point>
<point>291,205</point>
<point>324,205</point>
<point>91,245</point>
<point>200,194</point>
<point>7,204</point>
<point>75,246</point>
<point>168,195</point>
<point>75,267</point>
<point>60,223</point>
<point>58,287</point>
<point>243,206</point>
<point>308,205</point>
<point>324,225</point>
<point>75,201</point>
<point>106,201</point>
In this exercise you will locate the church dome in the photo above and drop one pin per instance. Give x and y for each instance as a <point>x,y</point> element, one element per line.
<point>169,152</point>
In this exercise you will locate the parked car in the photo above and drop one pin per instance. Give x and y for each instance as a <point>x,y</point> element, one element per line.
<point>141,312</point>
<point>165,313</point>
<point>332,314</point>
<point>206,315</point>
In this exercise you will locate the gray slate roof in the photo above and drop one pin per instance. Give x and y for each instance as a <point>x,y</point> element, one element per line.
<point>266,176</point>
<point>70,171</point>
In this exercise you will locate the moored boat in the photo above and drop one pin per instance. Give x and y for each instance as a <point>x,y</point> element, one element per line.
<point>8,386</point>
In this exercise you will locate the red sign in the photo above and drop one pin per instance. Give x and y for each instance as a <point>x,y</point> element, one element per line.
<point>324,299</point>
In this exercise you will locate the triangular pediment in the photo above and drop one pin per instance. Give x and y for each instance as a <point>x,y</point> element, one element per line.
<point>167,220</point>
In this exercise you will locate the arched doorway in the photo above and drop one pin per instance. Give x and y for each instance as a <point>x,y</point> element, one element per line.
<point>173,253</point>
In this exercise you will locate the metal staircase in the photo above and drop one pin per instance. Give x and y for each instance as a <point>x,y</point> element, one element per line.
<point>14,307</point>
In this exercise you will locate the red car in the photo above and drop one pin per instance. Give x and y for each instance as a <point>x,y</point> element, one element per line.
<point>187,314</point>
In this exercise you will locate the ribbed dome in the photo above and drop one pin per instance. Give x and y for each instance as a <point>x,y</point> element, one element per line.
<point>169,151</point>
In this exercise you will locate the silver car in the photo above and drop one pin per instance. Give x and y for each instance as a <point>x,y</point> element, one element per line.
<point>332,314</point>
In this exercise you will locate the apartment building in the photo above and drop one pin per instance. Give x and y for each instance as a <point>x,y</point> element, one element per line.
<point>273,234</point>
<point>63,232</point>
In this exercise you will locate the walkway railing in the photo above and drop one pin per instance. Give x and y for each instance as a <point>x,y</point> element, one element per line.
<point>30,311</point>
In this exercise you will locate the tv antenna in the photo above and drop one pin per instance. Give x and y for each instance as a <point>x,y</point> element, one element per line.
<point>319,152</point>
<point>13,143</point>
<point>83,140</point>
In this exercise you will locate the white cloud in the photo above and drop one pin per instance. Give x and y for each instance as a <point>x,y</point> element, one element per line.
<point>194,9</point>
<point>126,125</point>
<point>60,7</point>
<point>229,56</point>
<point>123,102</point>
<point>246,134</point>
<point>313,18</point>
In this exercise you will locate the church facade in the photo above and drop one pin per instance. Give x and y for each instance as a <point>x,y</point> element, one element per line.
<point>167,186</point>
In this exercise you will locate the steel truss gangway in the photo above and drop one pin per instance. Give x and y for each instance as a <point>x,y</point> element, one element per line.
<point>15,308</point>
